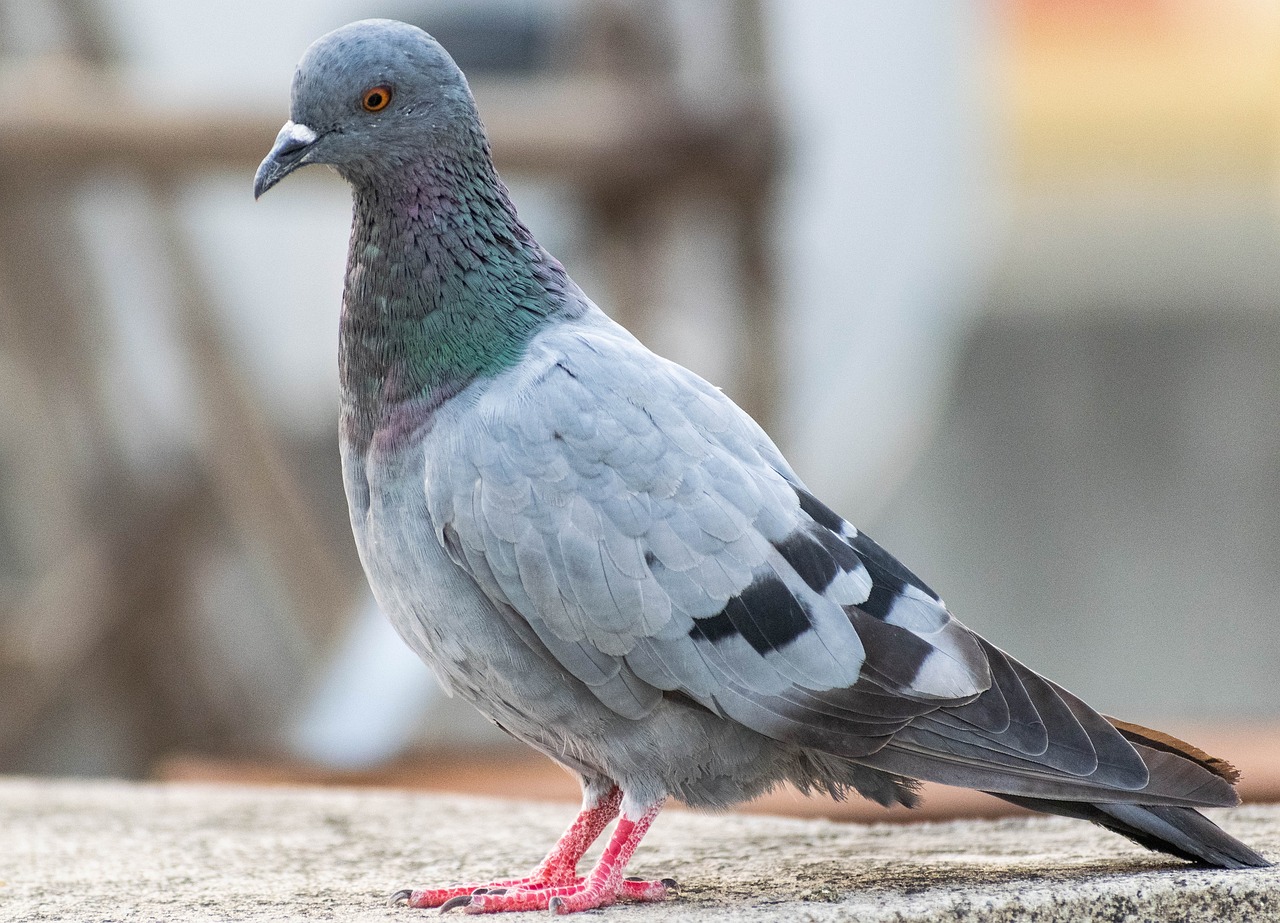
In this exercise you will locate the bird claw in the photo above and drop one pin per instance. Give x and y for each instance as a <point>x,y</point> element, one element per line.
<point>646,890</point>
<point>402,895</point>
<point>453,903</point>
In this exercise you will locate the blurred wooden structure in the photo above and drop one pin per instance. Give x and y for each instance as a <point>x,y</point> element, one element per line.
<point>96,558</point>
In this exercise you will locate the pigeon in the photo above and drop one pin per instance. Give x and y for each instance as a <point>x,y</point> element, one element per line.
<point>614,563</point>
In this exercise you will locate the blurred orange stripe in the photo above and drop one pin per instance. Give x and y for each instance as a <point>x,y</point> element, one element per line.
<point>1167,89</point>
<point>519,773</point>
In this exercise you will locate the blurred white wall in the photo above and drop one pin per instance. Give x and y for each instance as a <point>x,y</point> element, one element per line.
<point>886,227</point>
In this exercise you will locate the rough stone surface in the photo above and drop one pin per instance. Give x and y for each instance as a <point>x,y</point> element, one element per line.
<point>75,851</point>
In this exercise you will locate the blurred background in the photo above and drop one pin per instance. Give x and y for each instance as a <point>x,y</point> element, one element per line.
<point>1001,276</point>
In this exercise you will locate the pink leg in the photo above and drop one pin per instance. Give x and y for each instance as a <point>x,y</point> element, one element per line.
<point>561,864</point>
<point>557,870</point>
<point>600,888</point>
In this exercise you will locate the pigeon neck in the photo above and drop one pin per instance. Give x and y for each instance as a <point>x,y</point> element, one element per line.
<point>444,285</point>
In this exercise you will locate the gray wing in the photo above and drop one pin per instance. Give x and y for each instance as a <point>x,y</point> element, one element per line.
<point>654,540</point>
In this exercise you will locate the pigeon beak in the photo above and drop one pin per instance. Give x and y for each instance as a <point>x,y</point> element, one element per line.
<point>287,154</point>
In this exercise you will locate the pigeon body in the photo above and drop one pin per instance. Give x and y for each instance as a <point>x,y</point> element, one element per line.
<point>613,562</point>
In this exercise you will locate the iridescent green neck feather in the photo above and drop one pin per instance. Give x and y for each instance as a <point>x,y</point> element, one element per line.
<point>444,285</point>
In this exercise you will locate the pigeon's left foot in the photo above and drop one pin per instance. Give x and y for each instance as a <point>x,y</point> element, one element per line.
<point>555,883</point>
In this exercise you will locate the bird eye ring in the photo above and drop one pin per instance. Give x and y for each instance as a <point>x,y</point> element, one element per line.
<point>376,98</point>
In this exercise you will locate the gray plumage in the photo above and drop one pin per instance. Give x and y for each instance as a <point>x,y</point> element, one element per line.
<point>609,558</point>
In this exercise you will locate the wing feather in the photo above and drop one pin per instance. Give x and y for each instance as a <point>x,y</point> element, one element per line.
<point>653,539</point>
<point>636,526</point>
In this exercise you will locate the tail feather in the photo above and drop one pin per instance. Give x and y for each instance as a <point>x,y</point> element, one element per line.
<point>926,759</point>
<point>1084,757</point>
<point>1182,832</point>
<point>1056,754</point>
<point>1167,743</point>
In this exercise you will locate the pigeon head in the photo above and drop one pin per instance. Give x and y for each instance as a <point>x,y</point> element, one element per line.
<point>369,98</point>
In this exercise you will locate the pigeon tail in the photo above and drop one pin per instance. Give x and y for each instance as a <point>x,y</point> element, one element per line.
<point>1158,812</point>
<point>1167,743</point>
<point>1181,832</point>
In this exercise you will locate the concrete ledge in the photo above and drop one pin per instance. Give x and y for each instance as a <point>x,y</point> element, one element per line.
<point>111,851</point>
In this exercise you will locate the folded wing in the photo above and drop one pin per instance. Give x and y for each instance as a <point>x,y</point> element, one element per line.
<point>649,535</point>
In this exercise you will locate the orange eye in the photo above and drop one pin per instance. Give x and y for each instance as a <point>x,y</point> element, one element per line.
<point>376,98</point>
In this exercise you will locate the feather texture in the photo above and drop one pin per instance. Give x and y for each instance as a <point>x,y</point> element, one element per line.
<point>645,527</point>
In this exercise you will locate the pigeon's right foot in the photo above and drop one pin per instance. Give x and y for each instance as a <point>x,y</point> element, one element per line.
<point>555,884</point>
<point>525,890</point>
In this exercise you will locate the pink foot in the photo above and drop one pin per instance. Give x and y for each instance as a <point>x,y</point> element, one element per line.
<point>555,884</point>
<point>629,889</point>
<point>438,897</point>
<point>584,894</point>
<point>602,887</point>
